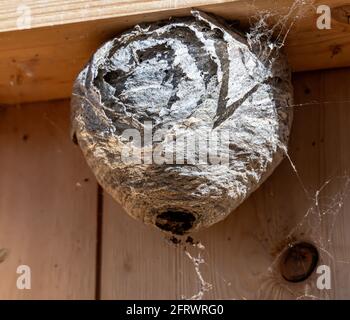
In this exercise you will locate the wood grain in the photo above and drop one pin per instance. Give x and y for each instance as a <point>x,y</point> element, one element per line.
<point>334,166</point>
<point>242,252</point>
<point>47,205</point>
<point>40,63</point>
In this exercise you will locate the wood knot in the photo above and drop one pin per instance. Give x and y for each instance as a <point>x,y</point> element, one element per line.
<point>298,262</point>
<point>337,49</point>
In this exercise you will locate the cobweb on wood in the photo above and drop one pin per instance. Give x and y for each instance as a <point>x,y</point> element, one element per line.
<point>319,220</point>
<point>317,224</point>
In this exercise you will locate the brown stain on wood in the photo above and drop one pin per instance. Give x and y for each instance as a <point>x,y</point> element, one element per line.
<point>335,50</point>
<point>342,14</point>
<point>127,264</point>
<point>3,254</point>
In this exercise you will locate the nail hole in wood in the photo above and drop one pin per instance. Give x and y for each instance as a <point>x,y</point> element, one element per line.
<point>299,261</point>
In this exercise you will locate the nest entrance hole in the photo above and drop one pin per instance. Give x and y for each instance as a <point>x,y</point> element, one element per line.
<point>176,222</point>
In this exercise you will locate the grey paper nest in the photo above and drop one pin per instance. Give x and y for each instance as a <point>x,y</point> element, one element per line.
<point>194,77</point>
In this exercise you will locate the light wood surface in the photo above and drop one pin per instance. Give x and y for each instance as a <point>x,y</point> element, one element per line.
<point>56,12</point>
<point>40,63</point>
<point>47,205</point>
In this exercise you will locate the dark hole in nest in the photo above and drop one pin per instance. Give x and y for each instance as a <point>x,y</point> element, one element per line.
<point>299,261</point>
<point>75,139</point>
<point>176,222</point>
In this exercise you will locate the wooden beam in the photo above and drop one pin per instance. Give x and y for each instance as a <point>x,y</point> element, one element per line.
<point>59,12</point>
<point>40,63</point>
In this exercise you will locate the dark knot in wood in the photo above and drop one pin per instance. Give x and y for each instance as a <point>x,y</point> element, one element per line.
<point>299,261</point>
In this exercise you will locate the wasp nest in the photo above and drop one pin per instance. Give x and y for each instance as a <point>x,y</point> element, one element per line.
<point>180,120</point>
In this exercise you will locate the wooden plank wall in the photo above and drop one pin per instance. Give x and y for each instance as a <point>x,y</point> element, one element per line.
<point>47,205</point>
<point>81,245</point>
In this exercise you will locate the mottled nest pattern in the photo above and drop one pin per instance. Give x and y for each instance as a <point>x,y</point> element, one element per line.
<point>193,70</point>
